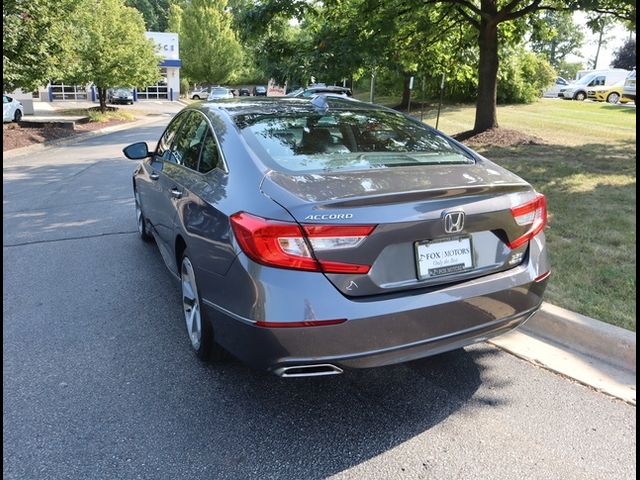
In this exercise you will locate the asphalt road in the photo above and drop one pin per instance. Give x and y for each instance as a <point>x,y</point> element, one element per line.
<point>100,383</point>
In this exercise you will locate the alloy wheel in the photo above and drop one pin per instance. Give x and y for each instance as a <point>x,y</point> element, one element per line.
<point>191,303</point>
<point>613,98</point>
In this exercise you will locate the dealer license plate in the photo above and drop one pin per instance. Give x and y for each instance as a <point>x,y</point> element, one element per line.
<point>439,258</point>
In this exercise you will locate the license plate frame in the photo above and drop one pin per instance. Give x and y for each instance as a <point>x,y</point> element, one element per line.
<point>446,270</point>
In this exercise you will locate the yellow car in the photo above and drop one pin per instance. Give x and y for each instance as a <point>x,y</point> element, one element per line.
<point>608,93</point>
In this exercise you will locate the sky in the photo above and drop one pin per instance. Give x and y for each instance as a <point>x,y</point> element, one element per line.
<point>617,35</point>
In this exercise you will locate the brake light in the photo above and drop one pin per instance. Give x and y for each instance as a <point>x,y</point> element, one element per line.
<point>534,214</point>
<point>283,244</point>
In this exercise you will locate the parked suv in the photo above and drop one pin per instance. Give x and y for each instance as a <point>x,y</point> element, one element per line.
<point>629,89</point>
<point>200,93</point>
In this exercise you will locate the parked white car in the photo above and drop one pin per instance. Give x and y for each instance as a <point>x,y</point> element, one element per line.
<point>598,78</point>
<point>12,109</point>
<point>219,92</point>
<point>554,90</point>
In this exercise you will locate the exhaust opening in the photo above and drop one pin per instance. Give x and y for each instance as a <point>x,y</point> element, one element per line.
<point>308,370</point>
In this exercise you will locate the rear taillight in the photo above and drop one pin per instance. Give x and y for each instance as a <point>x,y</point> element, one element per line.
<point>283,244</point>
<point>532,214</point>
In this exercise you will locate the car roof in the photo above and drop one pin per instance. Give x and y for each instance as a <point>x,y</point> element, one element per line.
<point>330,88</point>
<point>280,105</point>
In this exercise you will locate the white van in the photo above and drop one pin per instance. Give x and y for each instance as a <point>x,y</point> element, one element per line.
<point>598,78</point>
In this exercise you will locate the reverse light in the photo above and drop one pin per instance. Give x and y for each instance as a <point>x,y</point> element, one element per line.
<point>532,214</point>
<point>287,245</point>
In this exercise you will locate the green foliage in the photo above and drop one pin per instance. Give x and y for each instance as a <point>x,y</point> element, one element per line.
<point>110,48</point>
<point>523,76</point>
<point>185,86</point>
<point>154,13</point>
<point>625,56</point>
<point>209,48</point>
<point>569,70</point>
<point>33,35</point>
<point>555,35</point>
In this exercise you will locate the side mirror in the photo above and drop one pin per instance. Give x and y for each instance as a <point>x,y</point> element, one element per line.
<point>136,151</point>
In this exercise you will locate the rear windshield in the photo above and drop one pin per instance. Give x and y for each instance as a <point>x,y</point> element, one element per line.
<point>346,140</point>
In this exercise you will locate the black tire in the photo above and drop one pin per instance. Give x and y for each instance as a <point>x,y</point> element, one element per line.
<point>143,229</point>
<point>195,97</point>
<point>17,116</point>
<point>207,349</point>
<point>580,96</point>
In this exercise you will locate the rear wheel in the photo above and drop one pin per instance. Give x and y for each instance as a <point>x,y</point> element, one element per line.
<point>195,97</point>
<point>613,97</point>
<point>199,328</point>
<point>17,116</point>
<point>580,96</point>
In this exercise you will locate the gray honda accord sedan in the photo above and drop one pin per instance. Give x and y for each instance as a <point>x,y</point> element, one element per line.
<point>314,235</point>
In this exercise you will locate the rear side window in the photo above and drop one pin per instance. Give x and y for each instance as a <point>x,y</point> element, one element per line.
<point>346,140</point>
<point>168,136</point>
<point>210,157</point>
<point>188,143</point>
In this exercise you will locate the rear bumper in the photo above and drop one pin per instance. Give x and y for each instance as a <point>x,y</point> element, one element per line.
<point>344,345</point>
<point>379,330</point>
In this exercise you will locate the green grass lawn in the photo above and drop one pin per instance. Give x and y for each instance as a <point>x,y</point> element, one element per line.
<point>97,116</point>
<point>587,170</point>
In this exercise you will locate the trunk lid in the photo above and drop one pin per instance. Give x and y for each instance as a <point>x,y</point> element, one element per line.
<point>408,206</point>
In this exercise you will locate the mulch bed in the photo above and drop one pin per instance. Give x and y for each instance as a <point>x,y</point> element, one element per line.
<point>16,136</point>
<point>499,137</point>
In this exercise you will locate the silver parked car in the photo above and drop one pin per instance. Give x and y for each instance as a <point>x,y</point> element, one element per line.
<point>629,88</point>
<point>312,236</point>
<point>200,93</point>
<point>218,93</point>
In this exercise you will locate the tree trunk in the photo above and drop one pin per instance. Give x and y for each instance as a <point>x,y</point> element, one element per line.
<point>486,116</point>
<point>102,98</point>
<point>595,60</point>
<point>404,103</point>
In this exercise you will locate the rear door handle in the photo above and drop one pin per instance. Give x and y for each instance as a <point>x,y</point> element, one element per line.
<point>175,193</point>
<point>154,176</point>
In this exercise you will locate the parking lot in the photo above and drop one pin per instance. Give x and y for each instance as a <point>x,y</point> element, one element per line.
<point>100,381</point>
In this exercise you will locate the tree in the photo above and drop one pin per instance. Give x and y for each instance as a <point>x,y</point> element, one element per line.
<point>33,39</point>
<point>625,56</point>
<point>489,16</point>
<point>155,13</point>
<point>555,35</point>
<point>110,48</point>
<point>208,44</point>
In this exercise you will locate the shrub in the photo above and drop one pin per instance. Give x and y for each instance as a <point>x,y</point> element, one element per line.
<point>523,76</point>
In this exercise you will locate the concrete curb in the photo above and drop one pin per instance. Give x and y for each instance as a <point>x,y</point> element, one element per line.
<point>39,147</point>
<point>592,352</point>
<point>607,343</point>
